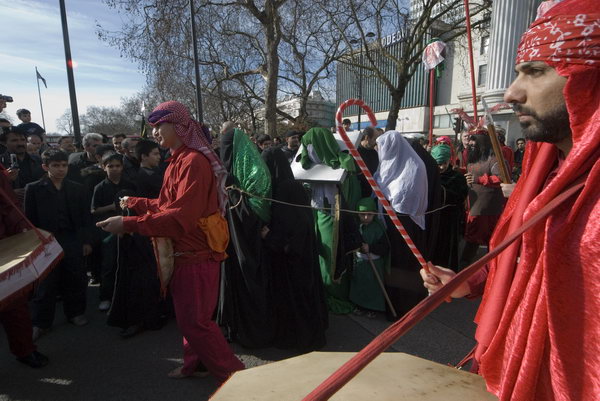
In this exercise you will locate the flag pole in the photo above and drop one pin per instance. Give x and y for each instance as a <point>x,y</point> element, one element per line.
<point>40,96</point>
<point>431,103</point>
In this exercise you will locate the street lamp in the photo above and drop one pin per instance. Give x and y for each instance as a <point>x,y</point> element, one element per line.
<point>199,111</point>
<point>354,42</point>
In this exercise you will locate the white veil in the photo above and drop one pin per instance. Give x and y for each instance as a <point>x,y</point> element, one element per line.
<point>402,176</point>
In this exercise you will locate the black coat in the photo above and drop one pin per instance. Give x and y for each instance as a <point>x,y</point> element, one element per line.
<point>77,162</point>
<point>30,169</point>
<point>41,205</point>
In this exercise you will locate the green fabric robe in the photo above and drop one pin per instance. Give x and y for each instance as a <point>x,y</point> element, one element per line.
<point>326,226</point>
<point>365,291</point>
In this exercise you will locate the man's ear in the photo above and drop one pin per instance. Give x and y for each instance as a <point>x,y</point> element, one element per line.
<point>45,167</point>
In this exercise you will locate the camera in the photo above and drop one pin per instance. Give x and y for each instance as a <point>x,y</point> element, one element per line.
<point>14,162</point>
<point>6,98</point>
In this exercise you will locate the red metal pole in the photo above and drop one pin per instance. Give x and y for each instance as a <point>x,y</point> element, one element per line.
<point>470,42</point>
<point>431,103</point>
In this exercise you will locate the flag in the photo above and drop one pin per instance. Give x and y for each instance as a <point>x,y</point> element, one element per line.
<point>143,132</point>
<point>433,54</point>
<point>42,78</point>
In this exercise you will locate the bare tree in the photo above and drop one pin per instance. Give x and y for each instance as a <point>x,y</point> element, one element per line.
<point>161,44</point>
<point>109,121</point>
<point>64,123</point>
<point>251,53</point>
<point>441,18</point>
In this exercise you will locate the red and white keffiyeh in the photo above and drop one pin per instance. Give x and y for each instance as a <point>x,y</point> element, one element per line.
<point>194,135</point>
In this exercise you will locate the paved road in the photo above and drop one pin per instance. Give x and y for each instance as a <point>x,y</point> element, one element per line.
<point>94,363</point>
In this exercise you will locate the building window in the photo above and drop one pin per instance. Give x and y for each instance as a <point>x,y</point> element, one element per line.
<point>482,75</point>
<point>485,44</point>
<point>441,121</point>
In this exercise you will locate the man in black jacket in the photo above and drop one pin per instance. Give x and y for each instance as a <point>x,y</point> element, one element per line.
<point>60,206</point>
<point>79,161</point>
<point>292,143</point>
<point>23,167</point>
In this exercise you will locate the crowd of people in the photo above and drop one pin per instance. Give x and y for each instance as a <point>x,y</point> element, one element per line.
<point>266,257</point>
<point>294,251</point>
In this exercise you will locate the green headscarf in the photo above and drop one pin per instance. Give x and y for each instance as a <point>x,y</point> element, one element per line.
<point>252,174</point>
<point>441,153</point>
<point>327,149</point>
<point>366,205</point>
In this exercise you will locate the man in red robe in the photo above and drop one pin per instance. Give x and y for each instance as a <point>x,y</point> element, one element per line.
<point>193,191</point>
<point>14,312</point>
<point>485,194</point>
<point>538,328</point>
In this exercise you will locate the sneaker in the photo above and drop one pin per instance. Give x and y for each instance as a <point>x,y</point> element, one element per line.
<point>104,306</point>
<point>80,320</point>
<point>358,312</point>
<point>37,332</point>
<point>34,360</point>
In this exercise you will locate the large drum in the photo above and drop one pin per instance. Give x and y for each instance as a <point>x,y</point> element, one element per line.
<point>24,259</point>
<point>391,376</point>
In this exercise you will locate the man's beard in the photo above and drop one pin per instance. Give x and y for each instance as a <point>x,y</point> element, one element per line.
<point>473,154</point>
<point>552,128</point>
<point>20,150</point>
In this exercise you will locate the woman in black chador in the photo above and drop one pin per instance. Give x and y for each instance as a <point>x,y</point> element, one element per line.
<point>297,288</point>
<point>137,303</point>
<point>246,309</point>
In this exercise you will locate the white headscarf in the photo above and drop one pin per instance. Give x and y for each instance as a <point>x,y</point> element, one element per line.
<point>402,176</point>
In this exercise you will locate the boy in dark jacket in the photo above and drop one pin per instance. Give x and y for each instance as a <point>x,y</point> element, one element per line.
<point>149,177</point>
<point>59,205</point>
<point>104,205</point>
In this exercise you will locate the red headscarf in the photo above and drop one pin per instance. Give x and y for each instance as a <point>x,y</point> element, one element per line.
<point>194,135</point>
<point>539,322</point>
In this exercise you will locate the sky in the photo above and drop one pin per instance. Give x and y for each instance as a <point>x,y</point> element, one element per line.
<point>32,36</point>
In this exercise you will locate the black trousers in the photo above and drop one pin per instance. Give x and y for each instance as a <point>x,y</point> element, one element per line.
<point>68,279</point>
<point>108,267</point>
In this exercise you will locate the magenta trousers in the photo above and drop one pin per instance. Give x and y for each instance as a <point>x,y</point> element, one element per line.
<point>195,289</point>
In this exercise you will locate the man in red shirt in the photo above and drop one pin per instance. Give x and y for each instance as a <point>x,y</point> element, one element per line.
<point>193,190</point>
<point>538,330</point>
<point>507,152</point>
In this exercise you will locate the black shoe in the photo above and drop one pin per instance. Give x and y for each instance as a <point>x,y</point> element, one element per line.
<point>131,331</point>
<point>34,360</point>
